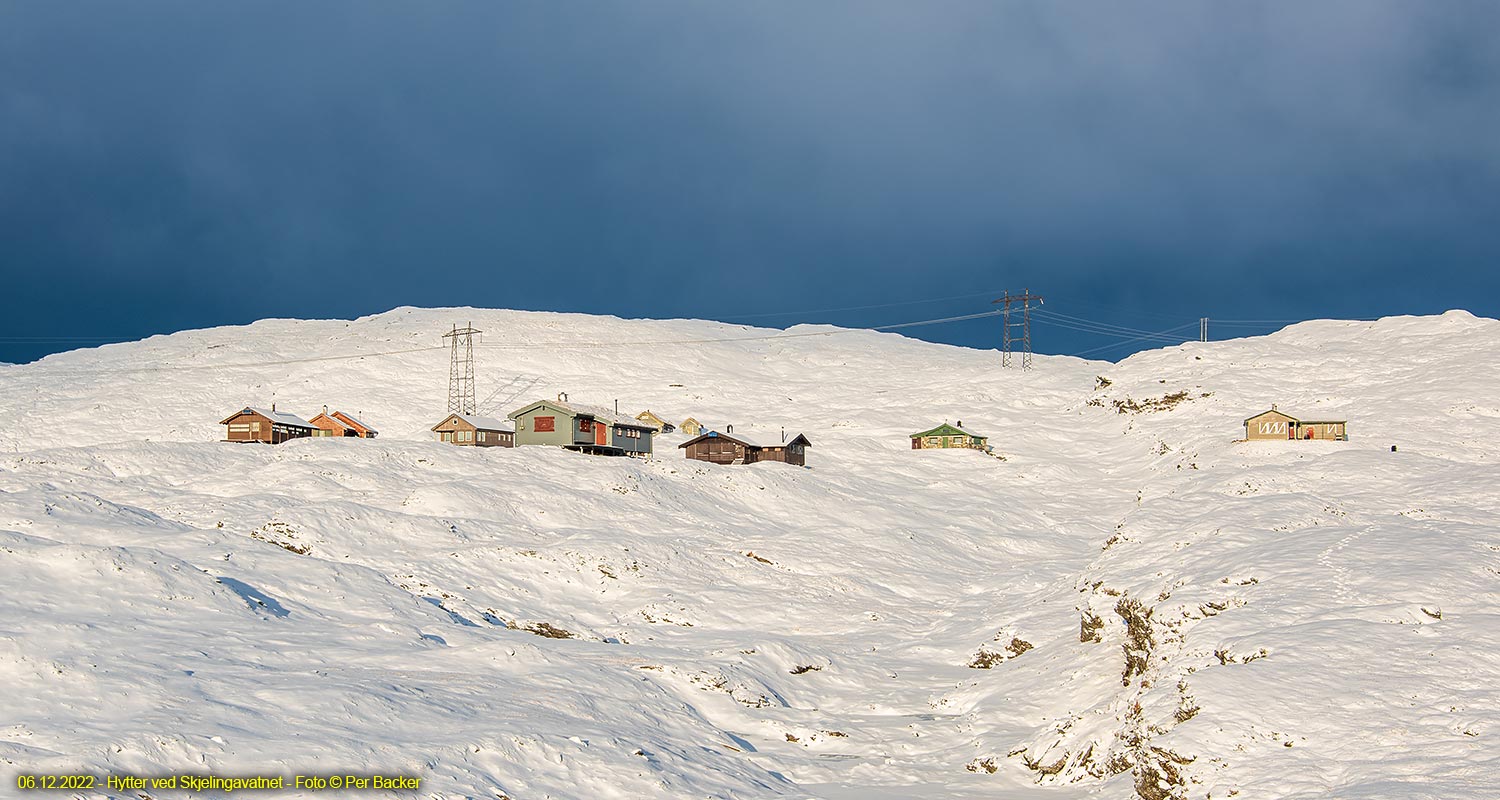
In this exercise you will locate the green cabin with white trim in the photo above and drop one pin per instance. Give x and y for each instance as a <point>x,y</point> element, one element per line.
<point>948,436</point>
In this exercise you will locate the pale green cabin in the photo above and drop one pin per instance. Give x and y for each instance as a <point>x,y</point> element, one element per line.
<point>946,436</point>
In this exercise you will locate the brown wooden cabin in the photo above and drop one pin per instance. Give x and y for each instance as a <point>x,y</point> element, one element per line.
<point>266,426</point>
<point>474,431</point>
<point>732,448</point>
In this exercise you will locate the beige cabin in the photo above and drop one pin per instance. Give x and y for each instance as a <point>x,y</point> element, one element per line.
<point>1279,425</point>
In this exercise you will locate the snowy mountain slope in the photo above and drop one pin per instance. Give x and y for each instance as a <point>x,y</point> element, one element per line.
<point>1162,611</point>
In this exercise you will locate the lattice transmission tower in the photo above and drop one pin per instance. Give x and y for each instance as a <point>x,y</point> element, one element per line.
<point>461,369</point>
<point>1007,337</point>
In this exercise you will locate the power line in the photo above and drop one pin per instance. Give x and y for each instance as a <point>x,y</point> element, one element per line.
<point>1157,334</point>
<point>1102,330</point>
<point>1043,312</point>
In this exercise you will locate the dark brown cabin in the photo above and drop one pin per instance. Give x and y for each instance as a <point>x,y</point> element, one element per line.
<point>731,448</point>
<point>267,427</point>
<point>467,429</point>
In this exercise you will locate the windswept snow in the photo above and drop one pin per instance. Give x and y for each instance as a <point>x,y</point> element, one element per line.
<point>1126,603</point>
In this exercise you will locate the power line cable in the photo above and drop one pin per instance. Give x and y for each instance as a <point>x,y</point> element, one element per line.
<point>1095,323</point>
<point>1180,340</point>
<point>1128,335</point>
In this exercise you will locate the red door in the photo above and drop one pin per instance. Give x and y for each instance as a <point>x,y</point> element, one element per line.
<point>601,433</point>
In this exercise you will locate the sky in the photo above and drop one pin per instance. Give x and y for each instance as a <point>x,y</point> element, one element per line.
<point>166,166</point>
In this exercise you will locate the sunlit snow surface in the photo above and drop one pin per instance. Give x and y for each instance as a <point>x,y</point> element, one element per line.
<point>1275,619</point>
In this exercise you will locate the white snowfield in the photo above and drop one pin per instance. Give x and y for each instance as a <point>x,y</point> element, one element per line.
<point>1130,603</point>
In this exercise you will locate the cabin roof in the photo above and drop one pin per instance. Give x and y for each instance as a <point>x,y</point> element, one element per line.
<point>481,423</point>
<point>353,420</point>
<point>756,441</point>
<point>964,431</point>
<point>1272,411</point>
<point>277,417</point>
<point>330,418</point>
<point>1298,421</point>
<point>579,410</point>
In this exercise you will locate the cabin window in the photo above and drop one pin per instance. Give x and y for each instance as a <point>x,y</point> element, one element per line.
<point>239,428</point>
<point>481,436</point>
<point>545,424</point>
<point>446,436</point>
<point>255,426</point>
<point>584,426</point>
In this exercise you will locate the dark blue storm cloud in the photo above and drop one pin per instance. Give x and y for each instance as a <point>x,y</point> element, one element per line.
<point>171,165</point>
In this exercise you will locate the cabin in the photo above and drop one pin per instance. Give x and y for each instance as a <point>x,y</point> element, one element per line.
<point>340,424</point>
<point>691,427</point>
<point>266,426</point>
<point>586,429</point>
<point>474,431</point>
<point>1279,425</point>
<point>732,448</point>
<point>947,436</point>
<point>661,425</point>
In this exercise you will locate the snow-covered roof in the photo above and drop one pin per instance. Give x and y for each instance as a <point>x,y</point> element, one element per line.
<point>277,417</point>
<point>1273,410</point>
<point>959,428</point>
<point>597,412</point>
<point>484,423</point>
<point>353,420</point>
<point>752,440</point>
<point>331,419</point>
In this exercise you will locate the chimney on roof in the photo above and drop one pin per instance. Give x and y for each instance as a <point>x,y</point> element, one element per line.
<point>617,406</point>
<point>273,405</point>
<point>1273,406</point>
<point>783,434</point>
<point>562,397</point>
<point>959,424</point>
<point>325,410</point>
<point>729,429</point>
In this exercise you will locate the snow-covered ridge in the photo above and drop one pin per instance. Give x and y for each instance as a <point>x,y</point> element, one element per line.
<point>1158,610</point>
